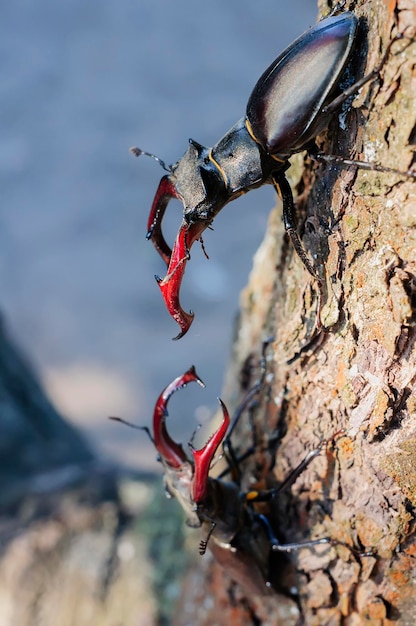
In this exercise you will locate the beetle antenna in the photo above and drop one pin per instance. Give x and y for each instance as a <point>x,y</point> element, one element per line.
<point>138,152</point>
<point>198,427</point>
<point>131,425</point>
<point>201,241</point>
<point>203,544</point>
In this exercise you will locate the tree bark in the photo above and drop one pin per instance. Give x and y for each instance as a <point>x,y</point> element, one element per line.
<point>357,374</point>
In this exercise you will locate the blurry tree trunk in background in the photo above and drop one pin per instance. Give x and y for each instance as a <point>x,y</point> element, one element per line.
<point>34,439</point>
<point>66,553</point>
<point>360,228</point>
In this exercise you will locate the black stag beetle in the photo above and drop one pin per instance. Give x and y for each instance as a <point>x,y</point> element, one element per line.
<point>290,105</point>
<point>240,538</point>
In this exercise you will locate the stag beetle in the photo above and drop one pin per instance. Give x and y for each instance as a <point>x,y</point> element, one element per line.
<point>289,106</point>
<point>240,539</point>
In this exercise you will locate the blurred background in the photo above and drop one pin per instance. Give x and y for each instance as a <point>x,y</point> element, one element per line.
<point>81,83</point>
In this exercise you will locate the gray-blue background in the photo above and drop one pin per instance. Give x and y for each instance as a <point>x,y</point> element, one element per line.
<point>82,81</point>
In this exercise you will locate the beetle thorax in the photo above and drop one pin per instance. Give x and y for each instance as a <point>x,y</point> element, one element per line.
<point>243,163</point>
<point>198,184</point>
<point>206,179</point>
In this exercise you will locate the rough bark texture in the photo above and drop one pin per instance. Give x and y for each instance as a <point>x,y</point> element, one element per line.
<point>71,557</point>
<point>358,375</point>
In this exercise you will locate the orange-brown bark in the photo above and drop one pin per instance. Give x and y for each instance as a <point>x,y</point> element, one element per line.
<point>358,375</point>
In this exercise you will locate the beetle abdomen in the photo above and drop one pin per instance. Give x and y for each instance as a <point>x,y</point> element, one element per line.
<point>283,109</point>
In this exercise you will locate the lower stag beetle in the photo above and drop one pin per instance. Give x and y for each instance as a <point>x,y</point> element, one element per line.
<point>289,106</point>
<point>240,538</point>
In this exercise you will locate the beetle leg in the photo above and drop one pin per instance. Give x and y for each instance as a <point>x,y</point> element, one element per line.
<point>287,547</point>
<point>281,184</point>
<point>340,6</point>
<point>332,106</point>
<point>264,496</point>
<point>201,241</point>
<point>171,284</point>
<point>165,192</point>
<point>363,165</point>
<point>170,452</point>
<point>298,545</point>
<point>248,403</point>
<point>203,458</point>
<point>268,494</point>
<point>308,543</point>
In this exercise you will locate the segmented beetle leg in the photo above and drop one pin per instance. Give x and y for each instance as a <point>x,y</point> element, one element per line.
<point>310,543</point>
<point>338,8</point>
<point>353,89</point>
<point>269,494</point>
<point>357,553</point>
<point>284,191</point>
<point>248,402</point>
<point>276,546</point>
<point>264,496</point>
<point>363,165</point>
<point>201,241</point>
<point>298,545</point>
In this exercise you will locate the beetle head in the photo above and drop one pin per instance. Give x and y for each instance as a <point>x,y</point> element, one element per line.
<point>197,182</point>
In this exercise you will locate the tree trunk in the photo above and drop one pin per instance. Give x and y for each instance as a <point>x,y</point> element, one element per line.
<point>358,374</point>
